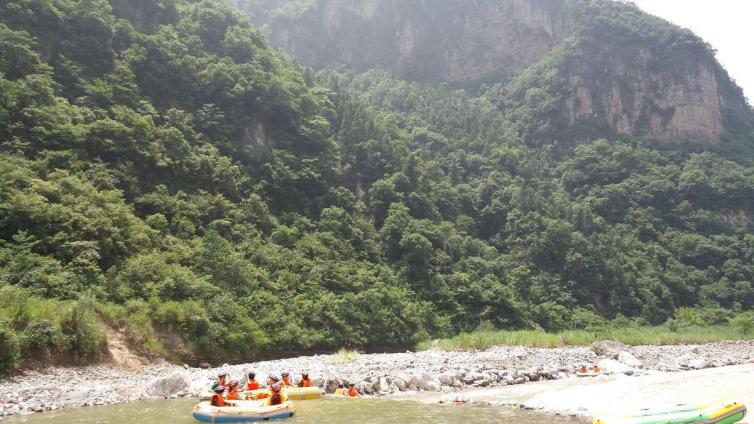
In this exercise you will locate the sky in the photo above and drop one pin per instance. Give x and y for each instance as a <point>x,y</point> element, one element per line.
<point>728,25</point>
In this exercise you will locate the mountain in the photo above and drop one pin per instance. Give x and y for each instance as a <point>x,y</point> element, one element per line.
<point>170,178</point>
<point>608,67</point>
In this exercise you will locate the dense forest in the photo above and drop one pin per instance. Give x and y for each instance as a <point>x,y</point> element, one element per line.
<point>169,175</point>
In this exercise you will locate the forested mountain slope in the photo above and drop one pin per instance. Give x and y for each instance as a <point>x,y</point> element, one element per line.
<point>165,172</point>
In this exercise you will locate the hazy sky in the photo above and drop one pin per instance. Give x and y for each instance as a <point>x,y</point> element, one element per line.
<point>728,25</point>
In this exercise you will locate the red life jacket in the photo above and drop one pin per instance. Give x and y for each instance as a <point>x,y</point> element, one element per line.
<point>252,385</point>
<point>352,392</point>
<point>305,383</point>
<point>217,400</point>
<point>233,394</point>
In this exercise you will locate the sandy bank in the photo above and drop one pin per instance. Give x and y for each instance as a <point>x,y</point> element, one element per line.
<point>620,394</point>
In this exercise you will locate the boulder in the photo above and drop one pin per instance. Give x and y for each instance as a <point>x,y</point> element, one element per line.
<point>446,379</point>
<point>611,366</point>
<point>432,385</point>
<point>698,364</point>
<point>629,359</point>
<point>400,384</point>
<point>384,386</point>
<point>416,381</point>
<point>168,386</point>
<point>331,385</point>
<point>608,348</point>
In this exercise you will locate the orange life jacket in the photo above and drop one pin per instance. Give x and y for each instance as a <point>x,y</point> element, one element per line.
<point>286,382</point>
<point>352,392</point>
<point>305,383</point>
<point>233,394</point>
<point>217,400</point>
<point>276,398</point>
<point>252,385</point>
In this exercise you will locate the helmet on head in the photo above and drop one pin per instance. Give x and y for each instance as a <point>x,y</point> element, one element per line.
<point>273,378</point>
<point>305,374</point>
<point>234,383</point>
<point>222,375</point>
<point>285,374</point>
<point>219,389</point>
<point>276,387</point>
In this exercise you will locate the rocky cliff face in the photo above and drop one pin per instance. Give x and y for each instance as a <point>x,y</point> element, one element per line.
<point>673,96</point>
<point>426,40</point>
<point>630,73</point>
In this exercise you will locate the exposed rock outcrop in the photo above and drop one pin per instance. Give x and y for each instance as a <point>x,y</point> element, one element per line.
<point>611,68</point>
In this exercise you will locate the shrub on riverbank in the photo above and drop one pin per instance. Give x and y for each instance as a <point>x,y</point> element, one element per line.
<point>36,328</point>
<point>642,335</point>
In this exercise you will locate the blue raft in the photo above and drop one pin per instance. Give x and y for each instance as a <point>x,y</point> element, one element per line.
<point>242,412</point>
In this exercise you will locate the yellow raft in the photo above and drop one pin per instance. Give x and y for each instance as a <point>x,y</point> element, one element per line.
<point>243,412</point>
<point>294,393</point>
<point>728,413</point>
<point>587,374</point>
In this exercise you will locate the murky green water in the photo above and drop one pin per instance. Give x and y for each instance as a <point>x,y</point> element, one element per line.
<point>330,411</point>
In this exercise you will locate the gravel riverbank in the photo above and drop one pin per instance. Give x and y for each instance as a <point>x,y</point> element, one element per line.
<point>395,375</point>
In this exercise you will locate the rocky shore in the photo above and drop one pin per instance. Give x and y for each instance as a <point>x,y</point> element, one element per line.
<point>395,375</point>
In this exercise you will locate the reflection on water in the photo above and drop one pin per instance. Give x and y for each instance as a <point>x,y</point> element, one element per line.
<point>326,410</point>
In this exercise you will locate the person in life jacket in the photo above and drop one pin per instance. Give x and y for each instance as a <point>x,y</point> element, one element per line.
<point>352,390</point>
<point>286,381</point>
<point>271,381</point>
<point>597,369</point>
<point>232,390</point>
<point>340,391</point>
<point>217,399</point>
<point>305,381</point>
<point>252,384</point>
<point>220,381</point>
<point>277,395</point>
<point>583,369</point>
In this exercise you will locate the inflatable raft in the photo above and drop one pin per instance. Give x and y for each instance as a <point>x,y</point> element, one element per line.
<point>243,412</point>
<point>294,393</point>
<point>587,374</point>
<point>715,414</point>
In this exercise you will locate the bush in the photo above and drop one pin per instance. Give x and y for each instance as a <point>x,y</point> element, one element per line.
<point>10,350</point>
<point>83,327</point>
<point>42,336</point>
<point>744,323</point>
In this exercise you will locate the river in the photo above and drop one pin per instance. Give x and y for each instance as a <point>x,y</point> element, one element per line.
<point>331,411</point>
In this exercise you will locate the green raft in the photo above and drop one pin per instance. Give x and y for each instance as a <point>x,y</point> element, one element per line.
<point>728,413</point>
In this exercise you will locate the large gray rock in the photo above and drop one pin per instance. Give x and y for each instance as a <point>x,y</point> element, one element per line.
<point>611,366</point>
<point>608,348</point>
<point>629,359</point>
<point>698,364</point>
<point>168,386</point>
<point>446,379</point>
<point>432,385</point>
<point>384,387</point>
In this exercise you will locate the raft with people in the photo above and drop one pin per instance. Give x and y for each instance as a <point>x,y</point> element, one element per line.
<point>242,412</point>
<point>252,390</point>
<point>728,413</point>
<point>584,372</point>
